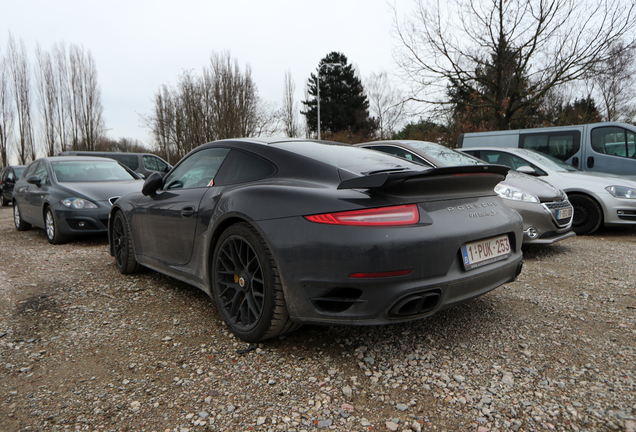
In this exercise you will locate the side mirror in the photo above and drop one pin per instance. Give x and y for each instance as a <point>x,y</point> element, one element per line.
<point>527,170</point>
<point>35,180</point>
<point>152,184</point>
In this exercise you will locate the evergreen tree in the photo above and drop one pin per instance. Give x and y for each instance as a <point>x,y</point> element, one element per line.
<point>343,105</point>
<point>581,111</point>
<point>497,98</point>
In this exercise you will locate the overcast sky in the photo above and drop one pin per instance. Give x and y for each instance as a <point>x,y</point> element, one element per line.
<point>140,45</point>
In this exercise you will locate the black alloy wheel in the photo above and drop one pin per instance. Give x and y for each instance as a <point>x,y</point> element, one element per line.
<point>122,245</point>
<point>52,228</point>
<point>588,215</point>
<point>20,224</point>
<point>245,285</point>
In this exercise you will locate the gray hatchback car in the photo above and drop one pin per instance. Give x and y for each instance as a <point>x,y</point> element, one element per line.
<point>546,211</point>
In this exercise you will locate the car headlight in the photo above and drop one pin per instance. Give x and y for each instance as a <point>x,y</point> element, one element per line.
<point>513,193</point>
<point>78,203</point>
<point>621,191</point>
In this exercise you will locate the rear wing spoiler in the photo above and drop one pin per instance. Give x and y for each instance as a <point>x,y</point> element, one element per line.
<point>377,180</point>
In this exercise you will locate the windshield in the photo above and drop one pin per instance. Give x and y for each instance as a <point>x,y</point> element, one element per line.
<point>549,162</point>
<point>89,171</point>
<point>445,155</point>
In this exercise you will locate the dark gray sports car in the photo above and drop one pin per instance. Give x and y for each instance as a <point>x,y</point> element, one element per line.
<point>281,232</point>
<point>69,195</point>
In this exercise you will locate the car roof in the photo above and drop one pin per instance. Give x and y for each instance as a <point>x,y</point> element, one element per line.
<point>76,158</point>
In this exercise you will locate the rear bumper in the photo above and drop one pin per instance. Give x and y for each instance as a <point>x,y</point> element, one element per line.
<point>316,262</point>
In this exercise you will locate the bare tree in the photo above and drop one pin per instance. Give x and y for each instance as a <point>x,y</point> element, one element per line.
<point>48,94</point>
<point>21,85</point>
<point>63,101</point>
<point>234,97</point>
<point>503,56</point>
<point>290,108</point>
<point>86,108</point>
<point>6,113</point>
<point>615,79</point>
<point>221,103</point>
<point>386,104</point>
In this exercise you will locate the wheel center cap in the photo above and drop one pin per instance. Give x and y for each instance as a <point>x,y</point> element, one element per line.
<point>242,282</point>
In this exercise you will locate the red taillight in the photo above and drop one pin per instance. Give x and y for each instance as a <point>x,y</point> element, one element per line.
<point>383,216</point>
<point>381,274</point>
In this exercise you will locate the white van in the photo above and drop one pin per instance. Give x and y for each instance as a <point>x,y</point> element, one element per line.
<point>604,147</point>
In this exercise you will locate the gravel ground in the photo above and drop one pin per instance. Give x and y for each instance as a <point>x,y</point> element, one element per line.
<point>85,348</point>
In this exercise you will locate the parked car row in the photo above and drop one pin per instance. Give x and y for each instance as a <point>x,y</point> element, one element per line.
<point>598,198</point>
<point>546,211</point>
<point>283,232</point>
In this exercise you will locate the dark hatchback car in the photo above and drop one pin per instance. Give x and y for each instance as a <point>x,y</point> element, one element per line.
<point>70,195</point>
<point>281,232</point>
<point>8,176</point>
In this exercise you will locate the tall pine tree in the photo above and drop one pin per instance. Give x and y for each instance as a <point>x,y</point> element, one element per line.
<point>343,105</point>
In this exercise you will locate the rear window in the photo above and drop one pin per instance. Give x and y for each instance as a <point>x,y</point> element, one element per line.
<point>355,159</point>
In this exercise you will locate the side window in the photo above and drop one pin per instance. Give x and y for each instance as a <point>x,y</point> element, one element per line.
<point>10,175</point>
<point>42,173</point>
<point>150,163</point>
<point>242,167</point>
<point>155,164</point>
<point>198,170</point>
<point>400,152</point>
<point>614,141</point>
<point>28,172</point>
<point>561,145</point>
<point>509,160</point>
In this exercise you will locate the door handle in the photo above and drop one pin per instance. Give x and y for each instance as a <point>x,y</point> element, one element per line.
<point>187,211</point>
<point>590,162</point>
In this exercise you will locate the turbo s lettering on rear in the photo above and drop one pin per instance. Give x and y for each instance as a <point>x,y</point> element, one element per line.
<point>479,206</point>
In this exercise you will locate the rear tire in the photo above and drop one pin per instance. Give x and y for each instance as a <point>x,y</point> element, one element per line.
<point>588,215</point>
<point>52,228</point>
<point>3,201</point>
<point>20,224</point>
<point>122,246</point>
<point>246,286</point>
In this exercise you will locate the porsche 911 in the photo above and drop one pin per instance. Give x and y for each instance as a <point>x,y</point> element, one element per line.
<point>283,232</point>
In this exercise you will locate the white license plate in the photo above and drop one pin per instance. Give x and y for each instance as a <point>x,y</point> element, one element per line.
<point>480,253</point>
<point>564,213</point>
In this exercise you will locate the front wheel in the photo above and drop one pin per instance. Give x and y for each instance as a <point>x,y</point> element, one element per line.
<point>121,240</point>
<point>588,215</point>
<point>246,286</point>
<point>20,224</point>
<point>52,227</point>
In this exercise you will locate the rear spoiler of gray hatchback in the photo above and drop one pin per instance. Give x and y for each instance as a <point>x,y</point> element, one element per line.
<point>394,177</point>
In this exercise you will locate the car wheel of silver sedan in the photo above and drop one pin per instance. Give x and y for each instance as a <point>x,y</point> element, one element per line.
<point>588,215</point>
<point>53,234</point>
